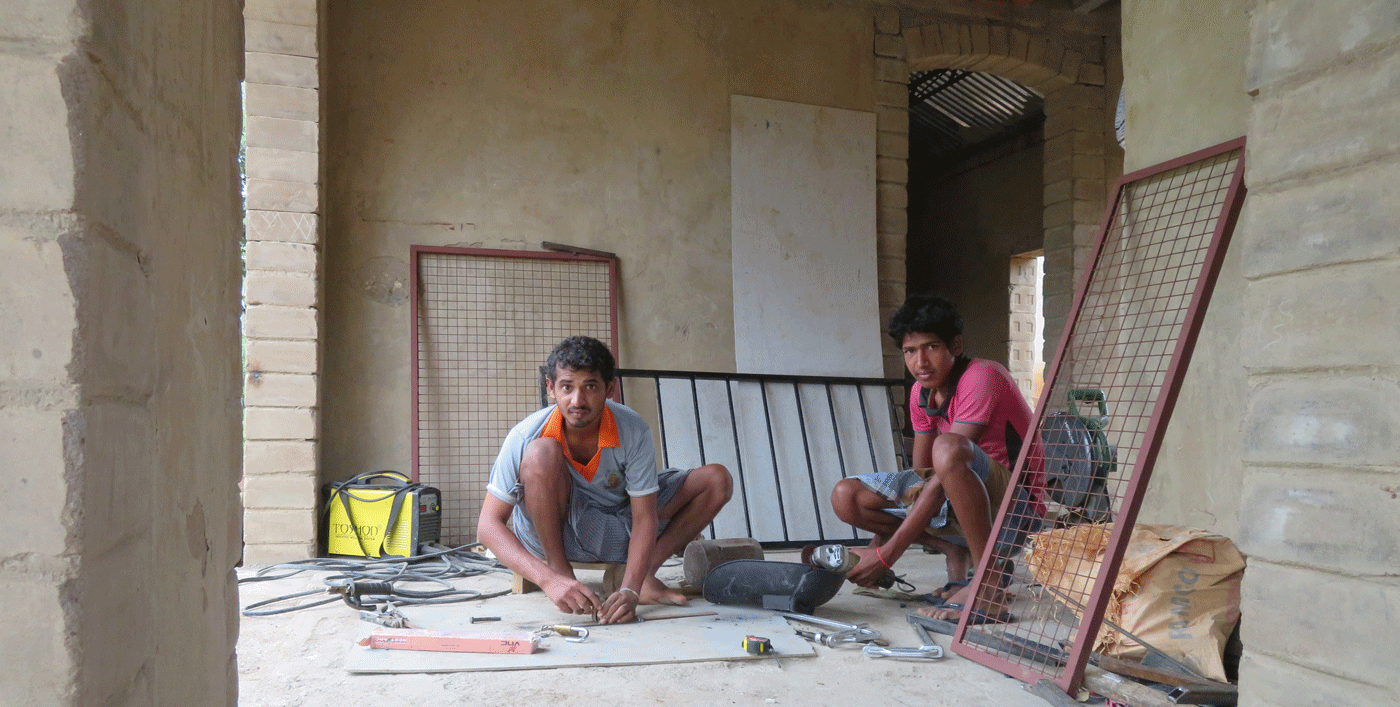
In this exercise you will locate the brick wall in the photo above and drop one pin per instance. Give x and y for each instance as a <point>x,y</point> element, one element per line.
<point>891,171</point>
<point>1319,515</point>
<point>282,287</point>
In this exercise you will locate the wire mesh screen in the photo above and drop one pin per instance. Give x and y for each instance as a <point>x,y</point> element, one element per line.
<point>484,322</point>
<point>1100,419</point>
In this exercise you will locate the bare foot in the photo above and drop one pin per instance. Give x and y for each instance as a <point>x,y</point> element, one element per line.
<point>654,592</point>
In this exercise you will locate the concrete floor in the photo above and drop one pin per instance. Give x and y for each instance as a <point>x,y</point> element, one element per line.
<point>298,658</point>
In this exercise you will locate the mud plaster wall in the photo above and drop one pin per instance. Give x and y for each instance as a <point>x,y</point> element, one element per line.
<point>1183,65</point>
<point>968,227</point>
<point>119,376</point>
<point>601,124</point>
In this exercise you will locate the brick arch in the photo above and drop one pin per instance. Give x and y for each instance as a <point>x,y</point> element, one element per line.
<point>1072,82</point>
<point>1043,64</point>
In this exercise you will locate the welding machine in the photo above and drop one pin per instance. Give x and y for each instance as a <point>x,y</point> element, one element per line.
<point>380,514</point>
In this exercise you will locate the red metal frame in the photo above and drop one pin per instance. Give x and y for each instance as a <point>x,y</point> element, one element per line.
<point>415,252</point>
<point>1071,675</point>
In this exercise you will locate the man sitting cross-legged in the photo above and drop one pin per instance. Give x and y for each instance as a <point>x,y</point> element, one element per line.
<point>578,482</point>
<point>969,422</point>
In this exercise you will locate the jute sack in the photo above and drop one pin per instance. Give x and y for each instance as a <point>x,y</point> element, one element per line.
<point>1178,588</point>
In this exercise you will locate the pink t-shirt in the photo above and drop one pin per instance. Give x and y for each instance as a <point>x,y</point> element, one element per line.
<point>987,395</point>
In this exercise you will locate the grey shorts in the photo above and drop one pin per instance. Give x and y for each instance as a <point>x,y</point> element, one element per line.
<point>594,533</point>
<point>903,486</point>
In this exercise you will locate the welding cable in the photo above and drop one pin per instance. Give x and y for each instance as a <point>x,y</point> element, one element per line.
<point>362,583</point>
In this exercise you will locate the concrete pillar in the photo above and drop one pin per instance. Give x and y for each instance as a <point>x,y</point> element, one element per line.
<point>1319,515</point>
<point>1074,194</point>
<point>892,171</point>
<point>281,391</point>
<point>119,381</point>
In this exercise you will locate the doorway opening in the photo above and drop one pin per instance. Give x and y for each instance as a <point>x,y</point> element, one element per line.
<point>1026,328</point>
<point>976,200</point>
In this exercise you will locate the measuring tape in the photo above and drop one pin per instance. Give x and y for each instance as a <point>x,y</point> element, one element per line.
<point>757,645</point>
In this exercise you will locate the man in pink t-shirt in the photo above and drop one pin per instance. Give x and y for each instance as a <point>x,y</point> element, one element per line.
<point>970,423</point>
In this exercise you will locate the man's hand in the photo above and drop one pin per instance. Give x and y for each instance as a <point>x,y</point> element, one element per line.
<point>620,607</point>
<point>571,596</point>
<point>869,570</point>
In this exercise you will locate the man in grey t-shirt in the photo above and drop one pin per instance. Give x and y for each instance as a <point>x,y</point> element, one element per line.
<point>578,482</point>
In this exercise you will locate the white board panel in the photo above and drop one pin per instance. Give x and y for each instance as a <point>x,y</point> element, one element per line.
<point>803,239</point>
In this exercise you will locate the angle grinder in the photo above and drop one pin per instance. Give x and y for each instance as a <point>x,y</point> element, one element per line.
<point>839,558</point>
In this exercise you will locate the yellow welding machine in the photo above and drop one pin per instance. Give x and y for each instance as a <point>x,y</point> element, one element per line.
<point>380,514</point>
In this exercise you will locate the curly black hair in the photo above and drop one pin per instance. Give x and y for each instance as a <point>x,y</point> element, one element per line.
<point>581,353</point>
<point>926,314</point>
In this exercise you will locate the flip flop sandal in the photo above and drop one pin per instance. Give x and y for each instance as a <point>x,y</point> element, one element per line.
<point>953,586</point>
<point>980,617</point>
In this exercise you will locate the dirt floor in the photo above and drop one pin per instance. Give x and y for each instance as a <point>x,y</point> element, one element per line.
<point>298,659</point>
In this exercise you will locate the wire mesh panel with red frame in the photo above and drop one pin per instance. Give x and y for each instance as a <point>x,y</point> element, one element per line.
<point>1106,402</point>
<point>484,321</point>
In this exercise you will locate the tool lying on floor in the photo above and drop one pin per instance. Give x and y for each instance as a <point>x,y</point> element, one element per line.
<point>845,633</point>
<point>409,639</point>
<point>757,645</point>
<point>927,648</point>
<point>572,634</point>
<point>388,616</point>
<point>648,619</point>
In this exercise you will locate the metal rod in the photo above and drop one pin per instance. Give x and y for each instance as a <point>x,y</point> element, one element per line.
<point>755,377</point>
<point>661,420</point>
<point>807,452</point>
<point>1150,648</point>
<point>836,434</point>
<point>897,420</point>
<point>773,451</point>
<point>869,438</point>
<point>739,458</point>
<point>699,435</point>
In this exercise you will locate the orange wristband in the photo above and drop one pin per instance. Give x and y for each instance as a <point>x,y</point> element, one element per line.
<point>881,558</point>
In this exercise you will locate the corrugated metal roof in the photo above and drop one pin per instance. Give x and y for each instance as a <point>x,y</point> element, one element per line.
<point>952,111</point>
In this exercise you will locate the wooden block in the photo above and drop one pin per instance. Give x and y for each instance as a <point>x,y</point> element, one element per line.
<point>612,577</point>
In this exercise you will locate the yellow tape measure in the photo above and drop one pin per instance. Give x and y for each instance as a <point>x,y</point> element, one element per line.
<point>757,645</point>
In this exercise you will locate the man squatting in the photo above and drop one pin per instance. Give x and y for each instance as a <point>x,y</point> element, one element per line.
<point>578,481</point>
<point>969,423</point>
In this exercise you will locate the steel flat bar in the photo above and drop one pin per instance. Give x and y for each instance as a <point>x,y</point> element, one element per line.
<point>739,458</point>
<point>699,433</point>
<point>807,452</point>
<point>661,420</point>
<point>869,438</point>
<point>773,450</point>
<point>752,377</point>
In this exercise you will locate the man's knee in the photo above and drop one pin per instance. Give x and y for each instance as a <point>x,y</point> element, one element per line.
<point>715,481</point>
<point>543,462</point>
<point>952,453</point>
<point>844,498</point>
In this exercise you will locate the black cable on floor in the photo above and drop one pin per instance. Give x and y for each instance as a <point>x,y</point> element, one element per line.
<point>362,584</point>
